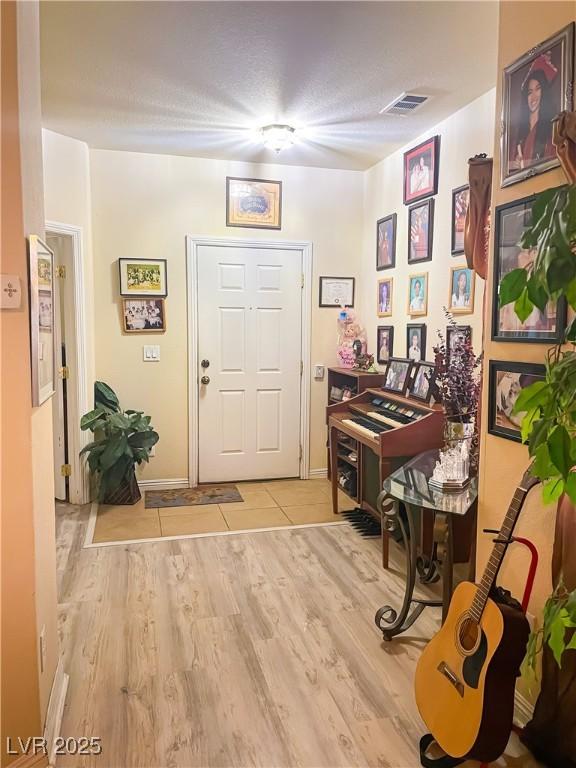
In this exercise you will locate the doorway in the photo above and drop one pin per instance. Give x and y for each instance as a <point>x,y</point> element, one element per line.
<point>71,483</point>
<point>249,305</point>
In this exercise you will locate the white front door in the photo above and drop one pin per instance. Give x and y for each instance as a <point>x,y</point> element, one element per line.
<point>249,333</point>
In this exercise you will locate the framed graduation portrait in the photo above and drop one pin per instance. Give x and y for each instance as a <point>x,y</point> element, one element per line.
<point>535,88</point>
<point>386,242</point>
<point>460,200</point>
<point>461,294</point>
<point>420,229</point>
<point>421,170</point>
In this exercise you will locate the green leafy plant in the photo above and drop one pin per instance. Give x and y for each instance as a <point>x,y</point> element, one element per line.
<point>122,439</point>
<point>549,406</point>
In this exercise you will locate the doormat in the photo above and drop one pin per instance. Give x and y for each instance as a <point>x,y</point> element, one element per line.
<point>185,497</point>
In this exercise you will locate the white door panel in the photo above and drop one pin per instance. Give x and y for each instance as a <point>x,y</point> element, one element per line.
<point>249,317</point>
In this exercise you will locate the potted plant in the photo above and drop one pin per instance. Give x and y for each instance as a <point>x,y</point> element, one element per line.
<point>122,439</point>
<point>549,429</point>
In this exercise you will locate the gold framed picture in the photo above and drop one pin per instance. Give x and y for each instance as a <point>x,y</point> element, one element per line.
<point>384,305</point>
<point>143,315</point>
<point>418,294</point>
<point>255,203</point>
<point>461,293</point>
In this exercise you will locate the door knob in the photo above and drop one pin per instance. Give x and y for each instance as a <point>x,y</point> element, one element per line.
<point>205,363</point>
<point>205,380</point>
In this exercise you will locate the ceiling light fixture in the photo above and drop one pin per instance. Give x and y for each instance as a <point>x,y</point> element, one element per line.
<point>277,136</point>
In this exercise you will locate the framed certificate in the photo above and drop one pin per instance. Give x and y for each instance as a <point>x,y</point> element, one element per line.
<point>336,292</point>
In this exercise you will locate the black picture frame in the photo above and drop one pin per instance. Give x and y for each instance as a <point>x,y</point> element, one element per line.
<point>501,396</point>
<point>123,265</point>
<point>415,390</point>
<point>397,363</point>
<point>450,331</point>
<point>321,282</point>
<point>429,236</point>
<point>507,237</point>
<point>389,329</point>
<point>419,328</point>
<point>455,248</point>
<point>552,62</point>
<point>429,149</point>
<point>380,225</point>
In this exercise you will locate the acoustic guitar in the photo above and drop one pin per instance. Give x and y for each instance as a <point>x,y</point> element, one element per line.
<point>466,676</point>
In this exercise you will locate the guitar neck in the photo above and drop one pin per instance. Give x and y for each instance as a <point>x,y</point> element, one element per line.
<point>493,566</point>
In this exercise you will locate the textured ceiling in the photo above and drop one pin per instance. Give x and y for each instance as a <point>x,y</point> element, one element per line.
<point>193,78</point>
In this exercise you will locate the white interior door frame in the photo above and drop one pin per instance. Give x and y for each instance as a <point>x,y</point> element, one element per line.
<point>305,248</point>
<point>79,395</point>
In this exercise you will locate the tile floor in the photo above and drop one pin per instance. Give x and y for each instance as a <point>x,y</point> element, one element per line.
<point>266,504</point>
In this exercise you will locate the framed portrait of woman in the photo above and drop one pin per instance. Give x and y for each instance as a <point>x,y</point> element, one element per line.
<point>384,306</point>
<point>535,88</point>
<point>461,294</point>
<point>418,294</point>
<point>545,327</point>
<point>420,229</point>
<point>385,343</point>
<point>386,242</point>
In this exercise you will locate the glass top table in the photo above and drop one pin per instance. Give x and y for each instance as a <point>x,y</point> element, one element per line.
<point>409,484</point>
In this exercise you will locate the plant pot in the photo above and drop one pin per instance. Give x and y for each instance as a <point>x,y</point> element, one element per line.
<point>127,492</point>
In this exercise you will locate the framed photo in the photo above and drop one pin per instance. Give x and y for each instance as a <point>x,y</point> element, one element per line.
<point>535,88</point>
<point>545,327</point>
<point>460,201</point>
<point>421,170</point>
<point>144,315</point>
<point>420,229</point>
<point>416,341</point>
<point>505,382</point>
<point>384,298</point>
<point>397,374</point>
<point>384,343</point>
<point>461,294</point>
<point>43,355</point>
<point>418,294</point>
<point>456,334</point>
<point>386,242</point>
<point>143,277</point>
<point>254,203</point>
<point>421,388</point>
<point>336,292</point>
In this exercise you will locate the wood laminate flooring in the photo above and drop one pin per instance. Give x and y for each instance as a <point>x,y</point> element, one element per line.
<point>241,650</point>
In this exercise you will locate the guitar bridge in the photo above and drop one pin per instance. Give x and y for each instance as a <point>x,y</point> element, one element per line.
<point>445,670</point>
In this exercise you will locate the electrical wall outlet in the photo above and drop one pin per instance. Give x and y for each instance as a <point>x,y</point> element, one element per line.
<point>43,649</point>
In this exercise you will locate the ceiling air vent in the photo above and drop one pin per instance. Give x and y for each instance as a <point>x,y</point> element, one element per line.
<point>404,104</point>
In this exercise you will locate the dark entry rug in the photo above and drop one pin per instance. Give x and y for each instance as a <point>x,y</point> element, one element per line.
<point>184,497</point>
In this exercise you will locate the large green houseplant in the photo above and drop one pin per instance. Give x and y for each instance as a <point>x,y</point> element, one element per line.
<point>122,439</point>
<point>549,406</point>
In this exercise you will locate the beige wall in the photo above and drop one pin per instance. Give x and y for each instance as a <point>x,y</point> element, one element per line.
<point>21,714</point>
<point>145,205</point>
<point>522,25</point>
<point>464,134</point>
<point>67,201</point>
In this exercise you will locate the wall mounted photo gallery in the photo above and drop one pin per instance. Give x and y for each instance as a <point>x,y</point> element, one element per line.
<point>143,286</point>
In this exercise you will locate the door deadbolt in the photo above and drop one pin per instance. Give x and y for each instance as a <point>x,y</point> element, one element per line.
<point>205,363</point>
<point>205,380</point>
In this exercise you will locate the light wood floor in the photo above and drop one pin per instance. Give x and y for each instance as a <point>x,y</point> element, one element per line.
<point>244,650</point>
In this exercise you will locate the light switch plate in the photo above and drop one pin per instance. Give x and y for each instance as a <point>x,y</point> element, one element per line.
<point>151,353</point>
<point>318,371</point>
<point>11,292</point>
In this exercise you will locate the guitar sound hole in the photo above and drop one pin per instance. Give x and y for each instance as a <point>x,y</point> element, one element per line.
<point>468,634</point>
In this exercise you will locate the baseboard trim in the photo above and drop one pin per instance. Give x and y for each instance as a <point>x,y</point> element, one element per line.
<point>163,485</point>
<point>56,710</point>
<point>315,474</point>
<point>523,710</point>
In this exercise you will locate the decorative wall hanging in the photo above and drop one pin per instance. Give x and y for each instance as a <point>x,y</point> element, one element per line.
<point>42,352</point>
<point>336,292</point>
<point>384,298</point>
<point>505,382</point>
<point>535,88</point>
<point>421,170</point>
<point>418,294</point>
<point>144,315</point>
<point>385,343</point>
<point>386,242</point>
<point>477,224</point>
<point>461,293</point>
<point>143,277</point>
<point>255,203</point>
<point>460,200</point>
<point>541,326</point>
<point>416,341</point>
<point>420,231</point>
